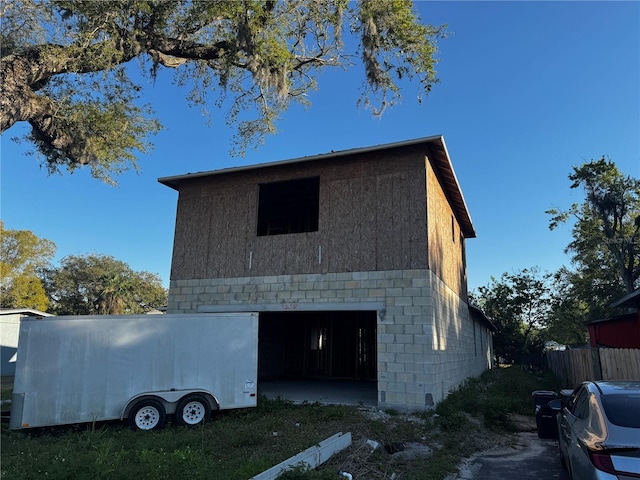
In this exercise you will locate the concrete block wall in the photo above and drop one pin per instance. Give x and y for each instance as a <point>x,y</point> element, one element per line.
<point>426,341</point>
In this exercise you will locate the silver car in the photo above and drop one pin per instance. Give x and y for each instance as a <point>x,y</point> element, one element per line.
<point>599,431</point>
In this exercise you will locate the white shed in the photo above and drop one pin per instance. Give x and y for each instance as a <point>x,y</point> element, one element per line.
<point>9,330</point>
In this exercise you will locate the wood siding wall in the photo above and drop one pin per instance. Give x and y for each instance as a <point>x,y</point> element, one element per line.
<point>618,332</point>
<point>372,217</point>
<point>446,242</point>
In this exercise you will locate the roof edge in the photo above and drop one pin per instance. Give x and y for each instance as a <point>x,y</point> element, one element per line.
<point>478,311</point>
<point>629,299</point>
<point>24,311</point>
<point>173,181</point>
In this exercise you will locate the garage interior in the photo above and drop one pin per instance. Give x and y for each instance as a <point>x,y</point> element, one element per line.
<point>318,356</point>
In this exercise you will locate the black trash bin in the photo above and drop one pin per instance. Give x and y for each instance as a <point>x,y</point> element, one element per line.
<point>545,416</point>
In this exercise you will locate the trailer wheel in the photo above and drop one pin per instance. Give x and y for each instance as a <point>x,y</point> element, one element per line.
<point>192,410</point>
<point>147,414</point>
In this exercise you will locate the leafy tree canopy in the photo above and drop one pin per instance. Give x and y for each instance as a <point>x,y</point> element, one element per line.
<point>529,308</point>
<point>519,305</point>
<point>101,285</point>
<point>65,65</point>
<point>22,253</point>
<point>570,309</point>
<point>606,233</point>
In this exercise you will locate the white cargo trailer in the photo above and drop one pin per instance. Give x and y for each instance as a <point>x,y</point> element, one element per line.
<point>74,369</point>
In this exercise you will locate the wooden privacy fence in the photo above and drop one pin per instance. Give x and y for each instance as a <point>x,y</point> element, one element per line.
<point>575,366</point>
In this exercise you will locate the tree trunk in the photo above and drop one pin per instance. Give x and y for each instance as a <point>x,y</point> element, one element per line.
<point>18,100</point>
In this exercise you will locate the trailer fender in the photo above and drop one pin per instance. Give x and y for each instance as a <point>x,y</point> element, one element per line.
<point>169,400</point>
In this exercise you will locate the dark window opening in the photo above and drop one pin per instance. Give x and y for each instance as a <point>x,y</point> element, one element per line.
<point>289,207</point>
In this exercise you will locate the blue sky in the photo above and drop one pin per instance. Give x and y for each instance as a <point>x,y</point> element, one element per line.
<point>527,91</point>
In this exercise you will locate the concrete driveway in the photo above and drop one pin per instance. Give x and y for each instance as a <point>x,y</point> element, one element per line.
<point>529,458</point>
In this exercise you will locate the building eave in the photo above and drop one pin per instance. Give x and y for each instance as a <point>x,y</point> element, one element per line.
<point>28,312</point>
<point>616,318</point>
<point>479,314</point>
<point>629,300</point>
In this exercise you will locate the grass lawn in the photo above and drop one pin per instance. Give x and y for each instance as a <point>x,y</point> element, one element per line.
<point>237,445</point>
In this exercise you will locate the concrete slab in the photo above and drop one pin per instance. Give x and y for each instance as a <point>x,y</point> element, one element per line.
<point>336,392</point>
<point>311,457</point>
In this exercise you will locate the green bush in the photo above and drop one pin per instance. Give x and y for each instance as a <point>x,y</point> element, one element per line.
<point>497,393</point>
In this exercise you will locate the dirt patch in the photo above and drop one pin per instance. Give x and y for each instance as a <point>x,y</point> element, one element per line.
<point>523,423</point>
<point>528,458</point>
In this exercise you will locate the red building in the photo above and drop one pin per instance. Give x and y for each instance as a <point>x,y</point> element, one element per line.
<point>621,331</point>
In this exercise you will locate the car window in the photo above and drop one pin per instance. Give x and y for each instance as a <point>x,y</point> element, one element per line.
<point>622,409</point>
<point>581,405</point>
<point>572,399</point>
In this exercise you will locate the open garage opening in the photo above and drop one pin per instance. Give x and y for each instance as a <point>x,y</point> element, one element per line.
<point>326,356</point>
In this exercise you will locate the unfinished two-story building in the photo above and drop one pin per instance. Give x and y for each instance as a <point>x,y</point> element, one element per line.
<point>354,259</point>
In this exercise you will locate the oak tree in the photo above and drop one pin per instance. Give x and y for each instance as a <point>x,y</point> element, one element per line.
<point>101,285</point>
<point>570,309</point>
<point>519,305</point>
<point>605,249</point>
<point>66,65</point>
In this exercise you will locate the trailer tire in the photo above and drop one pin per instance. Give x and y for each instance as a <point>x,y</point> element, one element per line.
<point>193,410</point>
<point>148,414</point>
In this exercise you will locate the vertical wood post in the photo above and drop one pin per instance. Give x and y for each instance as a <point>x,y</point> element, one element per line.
<point>595,360</point>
